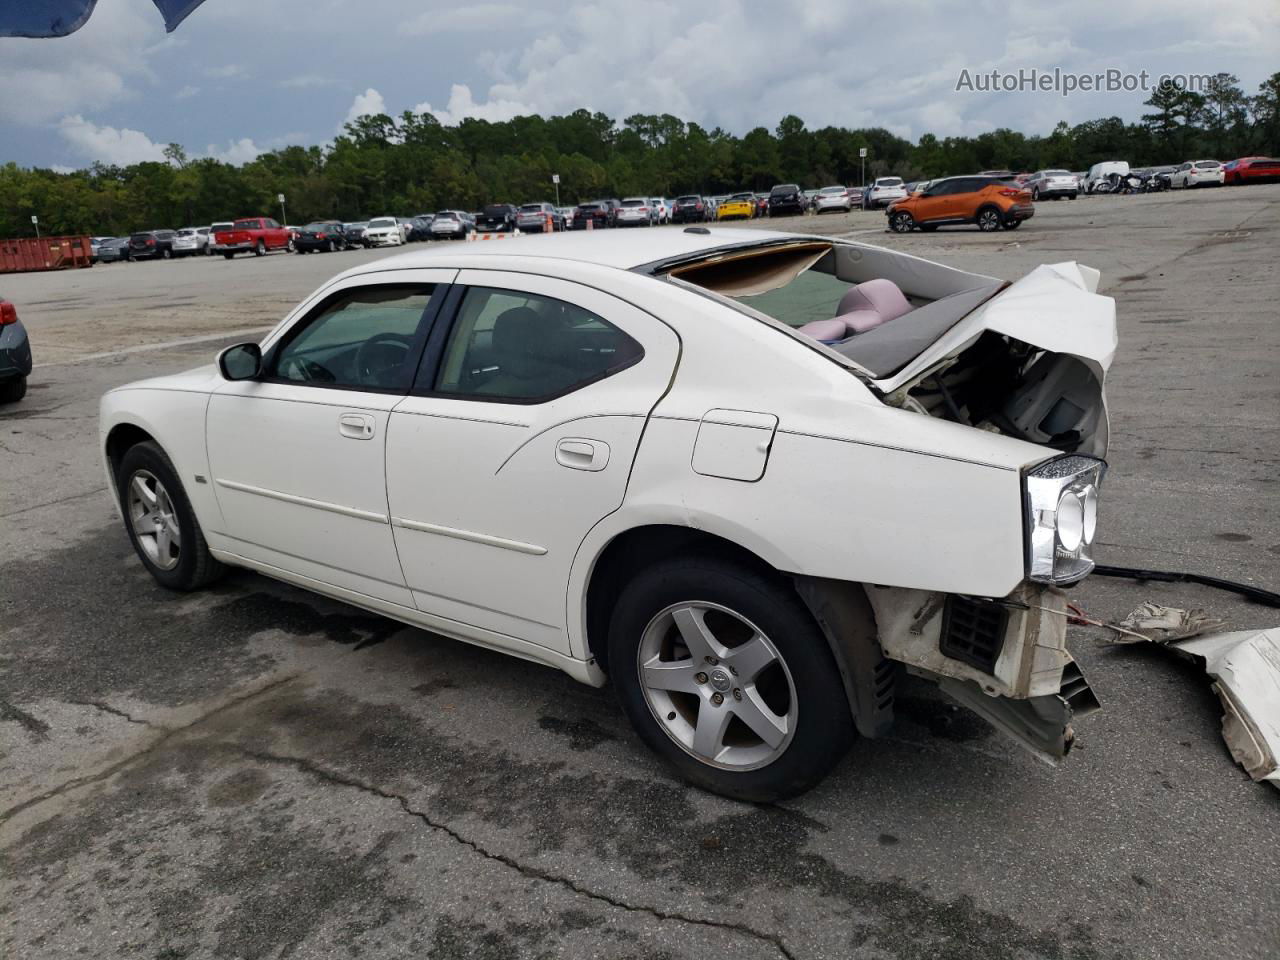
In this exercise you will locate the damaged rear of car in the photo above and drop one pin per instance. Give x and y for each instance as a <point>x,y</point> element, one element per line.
<point>958,489</point>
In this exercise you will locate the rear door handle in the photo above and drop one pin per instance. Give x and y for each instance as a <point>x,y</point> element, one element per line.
<point>356,426</point>
<point>578,453</point>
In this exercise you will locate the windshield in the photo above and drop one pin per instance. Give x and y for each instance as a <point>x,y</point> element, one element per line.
<point>784,188</point>
<point>317,227</point>
<point>1208,164</point>
<point>689,200</point>
<point>741,198</point>
<point>889,182</point>
<point>633,203</point>
<point>531,208</point>
<point>383,222</point>
<point>1056,173</point>
<point>496,210</point>
<point>829,191</point>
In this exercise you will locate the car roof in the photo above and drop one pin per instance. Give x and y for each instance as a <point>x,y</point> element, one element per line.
<point>620,249</point>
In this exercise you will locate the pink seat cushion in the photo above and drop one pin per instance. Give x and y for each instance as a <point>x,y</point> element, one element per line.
<point>882,296</point>
<point>860,321</point>
<point>825,329</point>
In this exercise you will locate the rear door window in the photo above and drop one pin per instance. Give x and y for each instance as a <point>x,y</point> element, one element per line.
<point>507,345</point>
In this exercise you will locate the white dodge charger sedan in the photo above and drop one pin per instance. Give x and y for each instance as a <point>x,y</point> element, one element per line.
<point>748,477</point>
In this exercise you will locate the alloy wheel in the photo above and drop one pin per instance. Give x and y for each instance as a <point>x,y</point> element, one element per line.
<point>717,686</point>
<point>154,520</point>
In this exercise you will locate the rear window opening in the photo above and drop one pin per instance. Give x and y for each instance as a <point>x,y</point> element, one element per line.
<point>889,182</point>
<point>689,200</point>
<point>531,208</point>
<point>634,203</point>
<point>1208,165</point>
<point>996,383</point>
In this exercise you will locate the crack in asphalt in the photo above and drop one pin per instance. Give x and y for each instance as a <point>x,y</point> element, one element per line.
<point>310,767</point>
<point>117,712</point>
<point>166,734</point>
<point>50,503</point>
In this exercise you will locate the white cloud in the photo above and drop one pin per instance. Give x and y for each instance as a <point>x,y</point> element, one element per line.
<point>186,92</point>
<point>462,105</point>
<point>476,17</point>
<point>237,151</point>
<point>107,144</point>
<point>89,70</point>
<point>364,104</point>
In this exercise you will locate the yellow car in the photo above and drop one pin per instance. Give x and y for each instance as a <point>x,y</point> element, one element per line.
<point>739,206</point>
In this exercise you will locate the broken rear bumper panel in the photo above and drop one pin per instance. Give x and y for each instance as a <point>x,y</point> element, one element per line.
<point>1005,659</point>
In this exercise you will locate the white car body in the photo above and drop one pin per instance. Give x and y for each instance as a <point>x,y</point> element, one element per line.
<point>1101,172</point>
<point>1052,183</point>
<point>449,223</point>
<point>636,211</point>
<point>1198,173</point>
<point>491,522</point>
<point>883,192</point>
<point>191,240</point>
<point>663,206</point>
<point>384,232</point>
<point>834,198</point>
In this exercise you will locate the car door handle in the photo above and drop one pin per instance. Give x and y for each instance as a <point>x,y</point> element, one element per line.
<point>577,453</point>
<point>356,426</point>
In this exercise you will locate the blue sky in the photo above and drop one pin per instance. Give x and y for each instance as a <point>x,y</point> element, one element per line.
<point>242,76</point>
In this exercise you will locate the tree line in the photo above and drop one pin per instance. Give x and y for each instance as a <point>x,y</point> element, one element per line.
<point>413,163</point>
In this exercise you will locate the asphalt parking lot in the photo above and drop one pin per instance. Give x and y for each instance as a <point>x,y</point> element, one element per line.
<point>256,772</point>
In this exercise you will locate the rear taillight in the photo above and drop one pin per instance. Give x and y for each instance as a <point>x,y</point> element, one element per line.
<point>8,313</point>
<point>1010,193</point>
<point>151,241</point>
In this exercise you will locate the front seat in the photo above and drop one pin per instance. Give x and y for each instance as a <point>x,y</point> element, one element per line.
<point>528,349</point>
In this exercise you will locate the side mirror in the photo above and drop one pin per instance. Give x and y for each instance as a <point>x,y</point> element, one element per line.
<point>241,362</point>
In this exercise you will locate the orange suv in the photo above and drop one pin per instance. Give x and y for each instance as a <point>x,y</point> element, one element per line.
<point>990,202</point>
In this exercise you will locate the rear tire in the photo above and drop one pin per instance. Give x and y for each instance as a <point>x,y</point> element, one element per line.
<point>260,249</point>
<point>11,391</point>
<point>1011,224</point>
<point>769,664</point>
<point>928,227</point>
<point>229,256</point>
<point>160,522</point>
<point>988,219</point>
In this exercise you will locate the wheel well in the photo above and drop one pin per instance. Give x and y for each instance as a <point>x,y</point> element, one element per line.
<point>120,439</point>
<point>632,551</point>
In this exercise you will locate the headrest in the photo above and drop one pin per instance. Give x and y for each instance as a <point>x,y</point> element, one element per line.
<point>882,296</point>
<point>522,330</point>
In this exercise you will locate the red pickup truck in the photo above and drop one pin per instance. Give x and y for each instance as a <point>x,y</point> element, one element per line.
<point>253,234</point>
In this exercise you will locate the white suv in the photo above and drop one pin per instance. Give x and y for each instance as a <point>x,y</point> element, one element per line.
<point>883,192</point>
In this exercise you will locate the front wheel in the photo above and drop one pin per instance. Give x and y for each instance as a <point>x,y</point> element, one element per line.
<point>988,219</point>
<point>1035,193</point>
<point>724,673</point>
<point>901,222</point>
<point>161,524</point>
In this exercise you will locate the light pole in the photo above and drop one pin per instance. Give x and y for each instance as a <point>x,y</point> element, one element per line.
<point>284,219</point>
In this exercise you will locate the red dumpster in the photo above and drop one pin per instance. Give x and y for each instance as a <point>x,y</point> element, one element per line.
<point>19,254</point>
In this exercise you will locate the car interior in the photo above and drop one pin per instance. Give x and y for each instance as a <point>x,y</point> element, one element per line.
<point>515,346</point>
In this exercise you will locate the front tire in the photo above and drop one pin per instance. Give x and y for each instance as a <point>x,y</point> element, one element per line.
<point>901,222</point>
<point>724,673</point>
<point>161,524</point>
